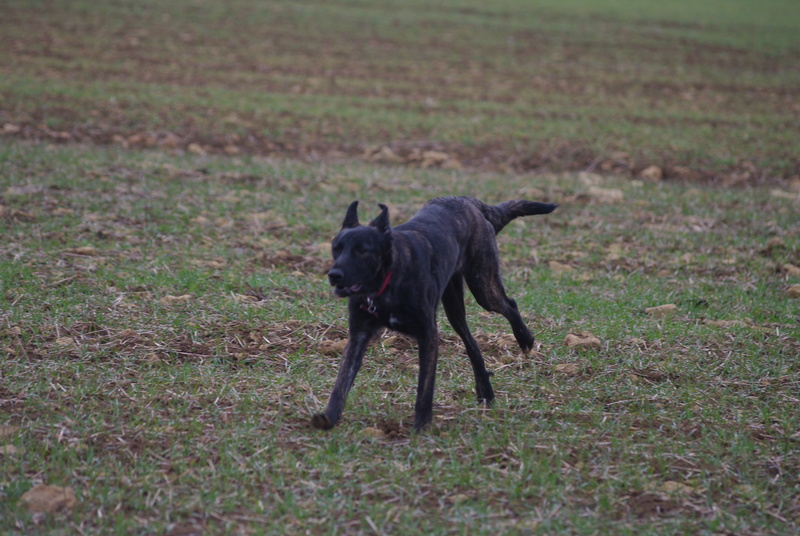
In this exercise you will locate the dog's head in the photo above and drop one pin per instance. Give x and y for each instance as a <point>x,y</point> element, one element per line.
<point>361,254</point>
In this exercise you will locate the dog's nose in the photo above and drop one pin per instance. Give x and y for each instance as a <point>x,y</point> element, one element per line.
<point>335,275</point>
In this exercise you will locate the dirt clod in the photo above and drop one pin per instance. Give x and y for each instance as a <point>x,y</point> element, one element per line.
<point>583,339</point>
<point>48,499</point>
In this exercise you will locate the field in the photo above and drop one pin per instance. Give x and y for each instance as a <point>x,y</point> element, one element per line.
<point>170,178</point>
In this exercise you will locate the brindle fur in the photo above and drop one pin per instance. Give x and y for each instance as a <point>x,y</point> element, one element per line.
<point>426,260</point>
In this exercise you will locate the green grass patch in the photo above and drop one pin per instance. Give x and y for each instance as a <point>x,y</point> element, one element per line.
<point>166,328</point>
<point>166,332</point>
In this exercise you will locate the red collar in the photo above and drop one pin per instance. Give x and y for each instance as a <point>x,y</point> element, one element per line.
<point>385,284</point>
<point>369,306</point>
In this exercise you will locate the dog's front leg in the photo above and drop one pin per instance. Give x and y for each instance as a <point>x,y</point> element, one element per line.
<point>428,356</point>
<point>348,368</point>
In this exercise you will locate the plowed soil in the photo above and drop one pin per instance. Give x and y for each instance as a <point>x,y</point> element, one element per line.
<point>506,87</point>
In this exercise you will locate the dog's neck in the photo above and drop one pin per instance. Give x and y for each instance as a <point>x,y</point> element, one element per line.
<point>383,285</point>
<point>369,301</point>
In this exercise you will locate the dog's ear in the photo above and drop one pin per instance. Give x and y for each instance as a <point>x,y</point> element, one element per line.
<point>382,221</point>
<point>351,218</point>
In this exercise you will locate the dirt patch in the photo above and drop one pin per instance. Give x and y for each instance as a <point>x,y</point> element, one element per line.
<point>649,505</point>
<point>393,429</point>
<point>563,156</point>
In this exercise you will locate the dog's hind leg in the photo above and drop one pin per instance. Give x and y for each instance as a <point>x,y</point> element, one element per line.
<point>351,363</point>
<point>453,303</point>
<point>485,284</point>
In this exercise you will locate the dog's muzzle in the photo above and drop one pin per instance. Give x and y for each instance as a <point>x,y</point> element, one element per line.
<point>336,277</point>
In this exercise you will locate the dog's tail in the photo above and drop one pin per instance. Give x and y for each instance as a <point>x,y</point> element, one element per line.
<point>500,215</point>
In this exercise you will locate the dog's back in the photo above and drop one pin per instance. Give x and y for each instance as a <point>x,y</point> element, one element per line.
<point>459,235</point>
<point>463,211</point>
<point>468,220</point>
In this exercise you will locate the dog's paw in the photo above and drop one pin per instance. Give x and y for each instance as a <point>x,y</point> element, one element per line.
<point>321,422</point>
<point>527,345</point>
<point>525,339</point>
<point>486,402</point>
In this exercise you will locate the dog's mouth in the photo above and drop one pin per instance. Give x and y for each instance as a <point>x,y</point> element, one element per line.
<point>343,291</point>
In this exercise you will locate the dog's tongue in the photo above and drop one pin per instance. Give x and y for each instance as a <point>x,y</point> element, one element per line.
<point>346,291</point>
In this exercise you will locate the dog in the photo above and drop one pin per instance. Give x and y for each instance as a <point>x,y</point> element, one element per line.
<point>396,277</point>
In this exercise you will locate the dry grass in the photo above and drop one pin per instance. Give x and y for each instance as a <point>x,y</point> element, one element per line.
<point>167,331</point>
<point>165,325</point>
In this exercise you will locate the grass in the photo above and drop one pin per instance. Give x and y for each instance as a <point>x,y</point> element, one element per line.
<point>544,86</point>
<point>170,178</point>
<point>168,415</point>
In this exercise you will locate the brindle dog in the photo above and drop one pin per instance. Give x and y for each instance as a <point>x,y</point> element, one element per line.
<point>396,278</point>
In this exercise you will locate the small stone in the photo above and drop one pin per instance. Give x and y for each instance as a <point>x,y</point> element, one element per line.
<point>65,342</point>
<point>333,347</point>
<point>383,154</point>
<point>175,300</point>
<point>583,339</point>
<point>606,195</point>
<point>196,148</point>
<point>87,251</point>
<point>568,369</point>
<point>791,270</point>
<point>775,242</point>
<point>651,174</point>
<point>559,268</point>
<point>782,194</point>
<point>372,433</point>
<point>661,310</point>
<point>590,179</point>
<point>8,450</point>
<point>8,430</point>
<point>48,499</point>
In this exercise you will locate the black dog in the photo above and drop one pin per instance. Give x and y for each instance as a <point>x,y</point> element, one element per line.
<point>396,277</point>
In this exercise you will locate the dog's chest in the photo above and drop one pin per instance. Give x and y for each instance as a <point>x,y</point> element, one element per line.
<point>395,322</point>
